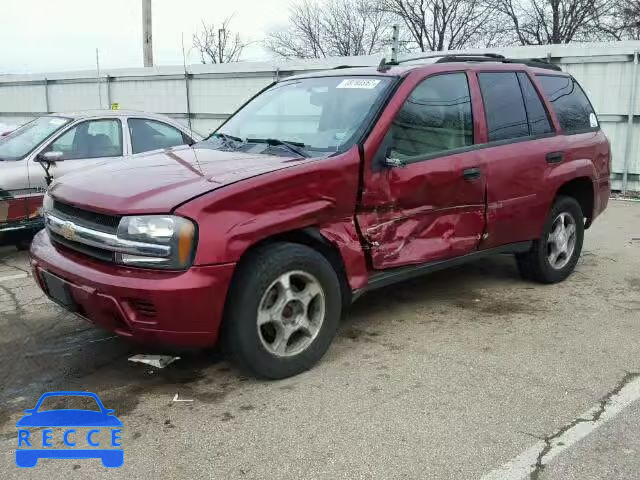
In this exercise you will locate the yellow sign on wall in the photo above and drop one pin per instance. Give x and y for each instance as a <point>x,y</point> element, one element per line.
<point>115,106</point>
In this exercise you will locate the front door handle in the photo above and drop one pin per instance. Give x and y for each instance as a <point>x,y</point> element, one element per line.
<point>471,174</point>
<point>555,157</point>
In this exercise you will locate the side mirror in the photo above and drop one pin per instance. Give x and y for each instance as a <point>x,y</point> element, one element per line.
<point>382,158</point>
<point>50,157</point>
<point>30,410</point>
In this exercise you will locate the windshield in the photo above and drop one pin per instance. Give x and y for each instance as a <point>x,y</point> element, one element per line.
<point>20,143</point>
<point>319,115</point>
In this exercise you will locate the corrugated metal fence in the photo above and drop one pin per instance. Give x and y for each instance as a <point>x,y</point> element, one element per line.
<point>207,94</point>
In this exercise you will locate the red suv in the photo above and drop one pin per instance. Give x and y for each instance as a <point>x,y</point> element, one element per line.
<point>320,188</point>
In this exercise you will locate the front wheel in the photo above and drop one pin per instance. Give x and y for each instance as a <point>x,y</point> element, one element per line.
<point>283,310</point>
<point>554,256</point>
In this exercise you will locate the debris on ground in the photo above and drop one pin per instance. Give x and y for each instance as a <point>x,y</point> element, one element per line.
<point>176,399</point>
<point>158,361</point>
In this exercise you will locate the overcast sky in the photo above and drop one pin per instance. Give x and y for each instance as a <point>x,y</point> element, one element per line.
<point>58,35</point>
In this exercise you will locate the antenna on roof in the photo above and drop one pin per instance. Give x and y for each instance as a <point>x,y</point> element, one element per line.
<point>187,92</point>
<point>383,66</point>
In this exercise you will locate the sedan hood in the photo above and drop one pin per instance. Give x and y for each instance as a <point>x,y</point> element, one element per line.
<point>160,181</point>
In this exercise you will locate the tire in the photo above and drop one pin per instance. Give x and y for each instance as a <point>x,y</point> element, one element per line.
<point>24,243</point>
<point>310,308</point>
<point>24,239</point>
<point>538,264</point>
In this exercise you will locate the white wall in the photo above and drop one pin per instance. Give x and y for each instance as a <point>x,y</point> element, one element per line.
<point>605,70</point>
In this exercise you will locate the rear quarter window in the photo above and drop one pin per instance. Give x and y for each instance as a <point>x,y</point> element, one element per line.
<point>571,105</point>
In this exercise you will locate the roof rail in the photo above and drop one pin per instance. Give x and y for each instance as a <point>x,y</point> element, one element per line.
<point>471,57</point>
<point>531,62</point>
<point>488,56</point>
<point>384,65</point>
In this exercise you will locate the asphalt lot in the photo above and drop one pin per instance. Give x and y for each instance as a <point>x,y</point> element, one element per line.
<point>448,376</point>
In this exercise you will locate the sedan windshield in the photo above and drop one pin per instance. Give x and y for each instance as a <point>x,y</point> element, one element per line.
<point>20,143</point>
<point>317,116</point>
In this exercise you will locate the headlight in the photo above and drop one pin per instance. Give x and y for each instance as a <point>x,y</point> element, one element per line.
<point>178,233</point>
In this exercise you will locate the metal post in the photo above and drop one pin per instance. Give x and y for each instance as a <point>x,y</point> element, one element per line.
<point>632,107</point>
<point>147,38</point>
<point>46,95</point>
<point>98,79</point>
<point>108,78</point>
<point>395,43</point>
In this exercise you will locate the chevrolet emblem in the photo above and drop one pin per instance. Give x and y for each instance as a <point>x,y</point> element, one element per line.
<point>68,231</point>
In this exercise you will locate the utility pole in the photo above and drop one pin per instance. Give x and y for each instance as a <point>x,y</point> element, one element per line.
<point>221,36</point>
<point>147,40</point>
<point>395,43</point>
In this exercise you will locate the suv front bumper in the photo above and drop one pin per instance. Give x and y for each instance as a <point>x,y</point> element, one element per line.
<point>164,307</point>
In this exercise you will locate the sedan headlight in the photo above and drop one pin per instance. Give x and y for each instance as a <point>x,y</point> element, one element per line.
<point>177,233</point>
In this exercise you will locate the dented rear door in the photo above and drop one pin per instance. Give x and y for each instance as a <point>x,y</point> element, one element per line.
<point>424,195</point>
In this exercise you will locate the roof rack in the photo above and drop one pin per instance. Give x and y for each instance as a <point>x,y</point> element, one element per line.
<point>471,57</point>
<point>531,62</point>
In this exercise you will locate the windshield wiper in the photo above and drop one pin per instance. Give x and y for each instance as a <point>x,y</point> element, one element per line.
<point>229,140</point>
<point>295,147</point>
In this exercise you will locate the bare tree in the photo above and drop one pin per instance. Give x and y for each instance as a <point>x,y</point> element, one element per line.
<point>540,22</point>
<point>446,24</point>
<point>331,28</point>
<point>627,19</point>
<point>218,45</point>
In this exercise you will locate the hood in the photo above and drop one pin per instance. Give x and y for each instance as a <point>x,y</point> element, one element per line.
<point>160,181</point>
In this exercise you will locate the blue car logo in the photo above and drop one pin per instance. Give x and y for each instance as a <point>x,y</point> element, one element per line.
<point>33,445</point>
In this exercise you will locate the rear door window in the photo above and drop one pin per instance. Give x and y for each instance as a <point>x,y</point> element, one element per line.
<point>503,105</point>
<point>149,135</point>
<point>536,113</point>
<point>572,107</point>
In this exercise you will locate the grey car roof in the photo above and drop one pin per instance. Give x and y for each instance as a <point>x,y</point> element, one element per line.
<point>126,113</point>
<point>110,113</point>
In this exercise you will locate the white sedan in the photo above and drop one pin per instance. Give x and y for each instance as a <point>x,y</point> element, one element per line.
<point>82,140</point>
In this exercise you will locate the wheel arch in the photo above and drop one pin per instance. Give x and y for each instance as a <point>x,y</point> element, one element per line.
<point>313,238</point>
<point>582,190</point>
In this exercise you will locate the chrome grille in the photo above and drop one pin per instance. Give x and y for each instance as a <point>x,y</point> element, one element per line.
<point>86,218</point>
<point>99,253</point>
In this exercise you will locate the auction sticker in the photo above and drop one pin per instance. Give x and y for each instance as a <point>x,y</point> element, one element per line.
<point>367,83</point>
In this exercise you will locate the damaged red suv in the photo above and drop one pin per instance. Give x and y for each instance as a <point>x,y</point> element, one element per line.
<point>320,188</point>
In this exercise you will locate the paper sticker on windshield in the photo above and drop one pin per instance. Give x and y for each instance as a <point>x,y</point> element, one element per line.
<point>367,83</point>
<point>593,120</point>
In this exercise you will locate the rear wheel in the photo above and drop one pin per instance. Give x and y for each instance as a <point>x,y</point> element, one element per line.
<point>553,257</point>
<point>283,310</point>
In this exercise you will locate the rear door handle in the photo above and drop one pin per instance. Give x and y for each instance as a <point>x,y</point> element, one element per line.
<point>555,157</point>
<point>471,174</point>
